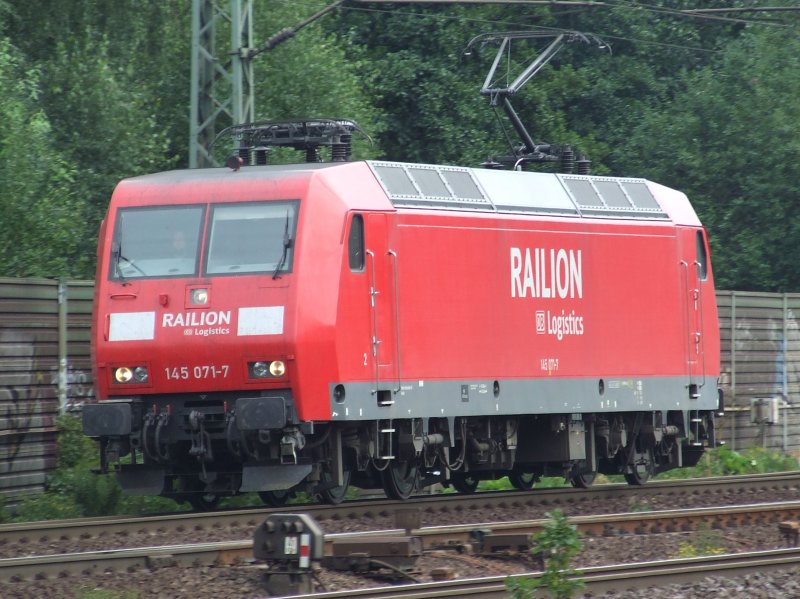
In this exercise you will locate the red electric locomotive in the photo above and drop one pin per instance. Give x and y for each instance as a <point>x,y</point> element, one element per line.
<point>275,328</point>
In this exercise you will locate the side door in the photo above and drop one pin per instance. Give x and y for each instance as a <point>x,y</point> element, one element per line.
<point>381,265</point>
<point>694,278</point>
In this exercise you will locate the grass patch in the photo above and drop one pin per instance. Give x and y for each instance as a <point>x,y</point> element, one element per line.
<point>723,461</point>
<point>704,542</point>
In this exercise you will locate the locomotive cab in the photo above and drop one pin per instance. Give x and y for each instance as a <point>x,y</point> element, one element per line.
<point>190,342</point>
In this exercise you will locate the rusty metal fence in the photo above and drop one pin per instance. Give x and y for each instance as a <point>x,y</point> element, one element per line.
<point>760,367</point>
<point>45,370</point>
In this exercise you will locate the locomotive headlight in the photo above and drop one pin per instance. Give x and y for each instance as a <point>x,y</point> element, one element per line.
<point>123,375</point>
<point>140,374</point>
<point>265,370</point>
<point>277,368</point>
<point>136,375</point>
<point>198,297</point>
<point>259,370</point>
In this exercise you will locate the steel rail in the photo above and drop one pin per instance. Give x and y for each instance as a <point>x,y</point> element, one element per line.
<point>252,517</point>
<point>640,523</point>
<point>602,579</point>
<point>65,564</point>
<point>227,552</point>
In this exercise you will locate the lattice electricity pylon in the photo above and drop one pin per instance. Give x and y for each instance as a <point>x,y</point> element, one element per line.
<point>222,84</point>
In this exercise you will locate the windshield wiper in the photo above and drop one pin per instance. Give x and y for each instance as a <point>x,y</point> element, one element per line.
<point>116,254</point>
<point>287,243</point>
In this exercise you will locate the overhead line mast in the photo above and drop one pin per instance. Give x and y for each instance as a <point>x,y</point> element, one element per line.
<point>222,85</point>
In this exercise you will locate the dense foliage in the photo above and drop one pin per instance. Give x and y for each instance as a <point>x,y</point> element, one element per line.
<point>92,91</point>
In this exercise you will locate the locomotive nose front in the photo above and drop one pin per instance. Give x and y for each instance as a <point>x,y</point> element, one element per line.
<point>196,297</point>
<point>191,339</point>
<point>223,344</point>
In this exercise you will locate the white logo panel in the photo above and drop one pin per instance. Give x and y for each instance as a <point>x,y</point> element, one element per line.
<point>132,326</point>
<point>263,320</point>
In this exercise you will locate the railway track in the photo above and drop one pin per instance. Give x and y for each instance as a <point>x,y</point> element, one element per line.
<point>436,537</point>
<point>51,531</point>
<point>613,578</point>
<point>82,555</point>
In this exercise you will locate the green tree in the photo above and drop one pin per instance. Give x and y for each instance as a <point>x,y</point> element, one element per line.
<point>587,96</point>
<point>421,83</point>
<point>105,108</point>
<point>107,123</point>
<point>111,100</point>
<point>729,140</point>
<point>116,103</point>
<point>41,228</point>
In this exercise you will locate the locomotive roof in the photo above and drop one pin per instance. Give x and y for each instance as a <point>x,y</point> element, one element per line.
<point>437,187</point>
<point>503,191</point>
<point>195,175</point>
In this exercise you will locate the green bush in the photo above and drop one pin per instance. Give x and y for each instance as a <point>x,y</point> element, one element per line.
<point>73,490</point>
<point>74,447</point>
<point>95,495</point>
<point>78,455</point>
<point>558,543</point>
<point>503,484</point>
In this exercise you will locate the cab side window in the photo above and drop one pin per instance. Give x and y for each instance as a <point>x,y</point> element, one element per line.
<point>702,257</point>
<point>355,244</point>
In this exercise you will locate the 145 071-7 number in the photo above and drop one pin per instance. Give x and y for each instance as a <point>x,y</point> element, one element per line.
<point>206,371</point>
<point>548,364</point>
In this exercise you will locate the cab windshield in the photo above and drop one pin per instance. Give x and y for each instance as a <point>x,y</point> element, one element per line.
<point>156,242</point>
<point>250,238</point>
<point>167,241</point>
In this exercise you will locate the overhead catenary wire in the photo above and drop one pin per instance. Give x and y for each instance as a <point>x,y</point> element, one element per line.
<point>580,5</point>
<point>746,9</point>
<point>690,14</point>
<point>709,14</point>
<point>505,24</point>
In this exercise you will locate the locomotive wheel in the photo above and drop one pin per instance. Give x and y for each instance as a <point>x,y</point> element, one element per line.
<point>642,468</point>
<point>583,480</point>
<point>524,481</point>
<point>399,479</point>
<point>275,498</point>
<point>334,495</point>
<point>463,482</point>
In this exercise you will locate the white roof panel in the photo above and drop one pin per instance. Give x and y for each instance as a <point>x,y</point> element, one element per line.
<point>460,188</point>
<point>519,191</point>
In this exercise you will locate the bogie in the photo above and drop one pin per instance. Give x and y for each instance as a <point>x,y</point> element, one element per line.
<point>461,453</point>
